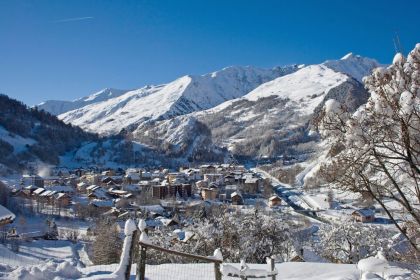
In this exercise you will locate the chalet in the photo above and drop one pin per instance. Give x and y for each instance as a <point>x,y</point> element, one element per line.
<point>81,187</point>
<point>102,204</point>
<point>38,191</point>
<point>155,182</point>
<point>92,188</point>
<point>274,201</point>
<point>27,191</point>
<point>159,174</point>
<point>201,184</point>
<point>6,216</point>
<point>193,174</point>
<point>132,176</point>
<point>108,173</point>
<point>99,194</point>
<point>209,193</point>
<point>91,178</point>
<point>229,189</point>
<point>117,193</point>
<point>230,179</point>
<point>53,180</point>
<point>33,180</point>
<point>364,215</point>
<point>176,178</point>
<point>146,175</point>
<point>236,198</point>
<point>217,178</point>
<point>111,181</point>
<point>239,168</point>
<point>206,169</point>
<point>251,185</point>
<point>62,199</point>
<point>48,196</point>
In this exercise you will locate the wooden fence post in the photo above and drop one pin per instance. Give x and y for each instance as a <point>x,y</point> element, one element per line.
<point>134,242</point>
<point>273,277</point>
<point>217,272</point>
<point>141,264</point>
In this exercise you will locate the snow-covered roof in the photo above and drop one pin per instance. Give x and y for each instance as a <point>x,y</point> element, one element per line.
<point>364,212</point>
<point>48,193</point>
<point>39,191</point>
<point>274,197</point>
<point>67,189</point>
<point>102,203</point>
<point>92,187</point>
<point>235,194</point>
<point>250,180</point>
<point>60,195</point>
<point>100,193</point>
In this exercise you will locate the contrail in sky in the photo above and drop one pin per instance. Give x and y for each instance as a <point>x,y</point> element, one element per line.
<point>74,19</point>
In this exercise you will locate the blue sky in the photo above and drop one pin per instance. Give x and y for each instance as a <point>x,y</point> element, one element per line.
<point>68,49</point>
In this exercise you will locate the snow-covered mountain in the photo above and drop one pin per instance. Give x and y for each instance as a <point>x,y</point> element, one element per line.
<point>185,95</point>
<point>275,117</point>
<point>353,65</point>
<point>57,107</point>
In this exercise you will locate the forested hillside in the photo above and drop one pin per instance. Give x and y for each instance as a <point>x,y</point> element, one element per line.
<point>29,135</point>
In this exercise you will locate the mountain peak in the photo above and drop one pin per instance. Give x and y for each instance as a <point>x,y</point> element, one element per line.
<point>353,65</point>
<point>348,56</point>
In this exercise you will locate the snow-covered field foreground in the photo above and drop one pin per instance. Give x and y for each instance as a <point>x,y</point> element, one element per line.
<point>286,271</point>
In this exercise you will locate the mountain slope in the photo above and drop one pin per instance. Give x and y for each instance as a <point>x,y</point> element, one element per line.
<point>273,119</point>
<point>57,107</point>
<point>182,96</point>
<point>28,135</point>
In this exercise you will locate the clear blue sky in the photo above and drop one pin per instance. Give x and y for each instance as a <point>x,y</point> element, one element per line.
<point>68,49</point>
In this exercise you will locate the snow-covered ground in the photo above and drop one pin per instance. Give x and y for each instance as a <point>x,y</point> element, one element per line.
<point>286,271</point>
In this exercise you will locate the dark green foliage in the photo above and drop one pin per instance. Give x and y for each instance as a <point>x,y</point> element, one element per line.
<point>53,137</point>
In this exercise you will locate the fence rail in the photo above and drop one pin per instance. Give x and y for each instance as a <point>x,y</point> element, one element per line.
<point>141,266</point>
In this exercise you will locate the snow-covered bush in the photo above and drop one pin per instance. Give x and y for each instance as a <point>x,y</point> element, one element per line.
<point>240,236</point>
<point>349,242</point>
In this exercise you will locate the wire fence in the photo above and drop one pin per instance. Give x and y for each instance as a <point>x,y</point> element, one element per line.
<point>169,264</point>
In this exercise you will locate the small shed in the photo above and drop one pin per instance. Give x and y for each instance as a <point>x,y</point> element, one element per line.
<point>364,215</point>
<point>274,201</point>
<point>236,198</point>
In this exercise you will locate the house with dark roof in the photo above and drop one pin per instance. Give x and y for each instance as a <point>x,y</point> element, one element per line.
<point>364,215</point>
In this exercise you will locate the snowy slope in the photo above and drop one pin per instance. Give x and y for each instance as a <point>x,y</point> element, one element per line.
<point>306,86</point>
<point>355,66</point>
<point>57,107</point>
<point>19,143</point>
<point>275,116</point>
<point>182,96</point>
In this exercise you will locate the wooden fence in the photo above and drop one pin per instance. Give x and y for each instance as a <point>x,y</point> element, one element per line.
<point>144,247</point>
<point>201,263</point>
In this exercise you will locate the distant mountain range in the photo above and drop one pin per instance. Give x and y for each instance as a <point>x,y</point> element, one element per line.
<point>245,112</point>
<point>112,112</point>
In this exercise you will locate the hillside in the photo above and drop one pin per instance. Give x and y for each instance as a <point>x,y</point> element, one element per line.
<point>28,135</point>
